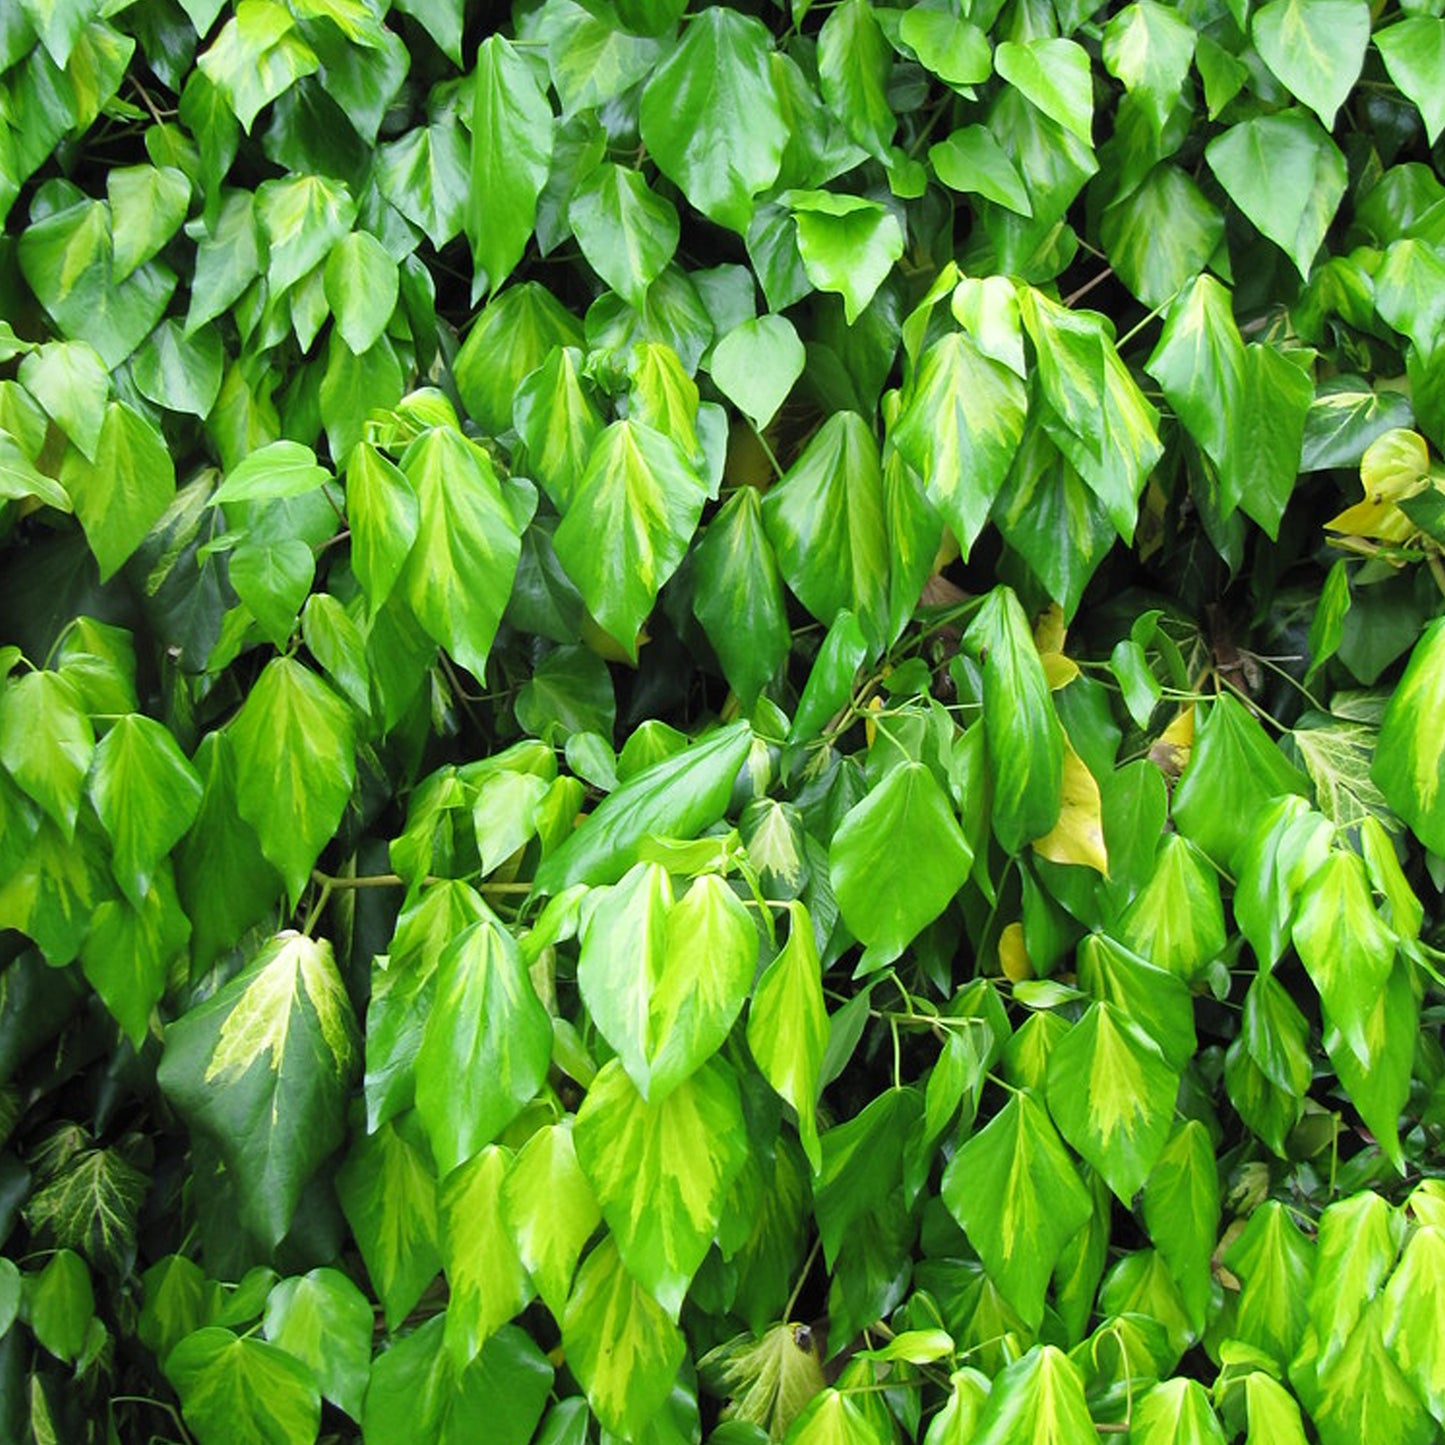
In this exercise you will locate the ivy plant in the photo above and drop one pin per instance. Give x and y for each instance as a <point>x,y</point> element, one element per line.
<point>722,722</point>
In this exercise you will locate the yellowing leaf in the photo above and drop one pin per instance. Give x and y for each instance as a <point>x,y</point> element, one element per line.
<point>1078,836</point>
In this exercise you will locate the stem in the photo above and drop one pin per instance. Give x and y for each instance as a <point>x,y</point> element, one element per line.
<point>315,912</point>
<point>1134,330</point>
<point>802,1278</point>
<point>767,450</point>
<point>395,880</point>
<point>1088,286</point>
<point>158,1405</point>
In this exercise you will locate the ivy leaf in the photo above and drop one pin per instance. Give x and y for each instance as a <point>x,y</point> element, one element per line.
<point>388,1193</point>
<point>1414,54</point>
<point>1148,47</point>
<point>1176,1412</point>
<point>147,206</point>
<point>1286,175</point>
<point>788,1026</point>
<point>825,521</point>
<point>1039,1398</point>
<point>620,1343</point>
<point>1274,1415</point>
<point>848,245</point>
<point>47,743</point>
<point>256,58</point>
<point>853,66</point>
<point>362,284</point>
<point>833,1418</point>
<point>511,155</point>
<point>961,424</point>
<point>323,1320</point>
<point>1409,765</point>
<point>1177,919</point>
<point>486,1046</point>
<point>1316,47</point>
<point>228,1385</point>
<point>1017,1195</point>
<point>20,478</point>
<point>970,160</point>
<point>1358,1241</point>
<point>559,422</point>
<point>458,574</point>
<point>1112,1094</point>
<point>425,174</point>
<point>897,859</point>
<point>295,766</point>
<point>91,1205</point>
<point>1181,1210</point>
<point>550,1211</point>
<point>178,371</point>
<point>711,118</point>
<point>1053,75</point>
<point>281,469</point>
<point>61,1302</point>
<point>385,516</point>
<point>264,1068</point>
<point>661,1172</point>
<point>756,364</point>
<point>627,232</point>
<point>1275,1264</point>
<point>1413,1292</point>
<point>70,381</point>
<point>302,218</point>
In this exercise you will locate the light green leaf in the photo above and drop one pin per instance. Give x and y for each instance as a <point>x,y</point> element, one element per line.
<point>1112,1094</point>
<point>897,859</point>
<point>425,175</point>
<point>1177,919</point>
<point>1053,75</point>
<point>1181,1210</point>
<point>1024,739</point>
<point>323,1320</point>
<point>628,525</point>
<point>620,1343</point>
<point>295,765</point>
<point>282,469</point>
<point>756,364</point>
<point>70,381</point>
<point>121,495</point>
<point>825,521</point>
<point>559,422</point>
<point>47,743</point>
<point>954,50</point>
<point>1414,55</point>
<point>486,1280</point>
<point>1162,235</point>
<point>511,156</point>
<point>1038,1399</point>
<point>147,206</point>
<point>1409,765</point>
<point>593,59</point>
<point>362,284</point>
<point>128,951</point>
<point>1285,174</point>
<point>256,57</point>
<point>1017,1195</point>
<point>458,574</point>
<point>627,232</point>
<point>234,1388</point>
<point>1358,1241</point>
<point>550,1211</point>
<point>1148,47</point>
<point>854,60</point>
<point>61,1304</point>
<point>972,161</point>
<point>486,1046</point>
<point>788,1026</point>
<point>20,479</point>
<point>1274,1416</point>
<point>264,1067</point>
<point>1413,1298</point>
<point>1175,1412</point>
<point>180,371</point>
<point>1275,1264</point>
<point>382,508</point>
<point>661,1172</point>
<point>1316,47</point>
<point>961,424</point>
<point>848,244</point>
<point>711,117</point>
<point>302,218</point>
<point>388,1193</point>
<point>833,1418</point>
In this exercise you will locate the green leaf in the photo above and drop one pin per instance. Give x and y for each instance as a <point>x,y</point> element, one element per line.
<point>1176,1412</point>
<point>620,1343</point>
<point>486,1047</point>
<point>1181,1210</point>
<point>1414,54</point>
<point>1275,1264</point>
<point>1358,1241</point>
<point>559,422</point>
<point>676,797</point>
<point>1409,766</point>
<point>1017,1195</point>
<point>128,952</point>
<point>853,65</point>
<point>1112,1093</point>
<point>486,1281</point>
<point>47,743</point>
<point>848,244</point>
<point>756,364</point>
<point>388,1193</point>
<point>246,1387</point>
<point>362,284</point>
<point>1285,174</point>
<point>178,371</point>
<point>961,424</point>
<point>833,1418</point>
<point>1412,1300</point>
<point>550,1211</point>
<point>592,57</point>
<point>91,1205</point>
<point>323,1320</point>
<point>629,524</point>
<point>711,117</point>
<point>627,232</point>
<point>661,1172</point>
<point>256,58</point>
<point>954,50</point>
<point>382,508</point>
<point>1162,236</point>
<point>1316,47</point>
<point>1039,1399</point>
<point>425,175</point>
<point>458,574</point>
<point>61,1304</point>
<point>69,380</point>
<point>282,469</point>
<point>1177,919</point>
<point>263,1068</point>
<point>1148,47</point>
<point>511,155</point>
<point>897,859</point>
<point>1053,75</point>
<point>788,1026</point>
<point>972,161</point>
<point>21,479</point>
<point>1234,772</point>
<point>825,521</point>
<point>1274,1416</point>
<point>121,495</point>
<point>1024,739</point>
<point>295,766</point>
<point>147,206</point>
<point>1407,291</point>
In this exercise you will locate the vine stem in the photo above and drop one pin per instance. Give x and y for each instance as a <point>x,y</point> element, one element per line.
<point>802,1278</point>
<point>395,880</point>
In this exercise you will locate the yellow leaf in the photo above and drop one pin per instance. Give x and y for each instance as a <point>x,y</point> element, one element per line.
<point>1171,749</point>
<point>1013,954</point>
<point>605,645</point>
<point>1395,466</point>
<point>1078,836</point>
<point>1049,630</point>
<point>1059,670</point>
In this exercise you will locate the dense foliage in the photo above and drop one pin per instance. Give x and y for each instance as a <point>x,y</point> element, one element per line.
<point>703,734</point>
